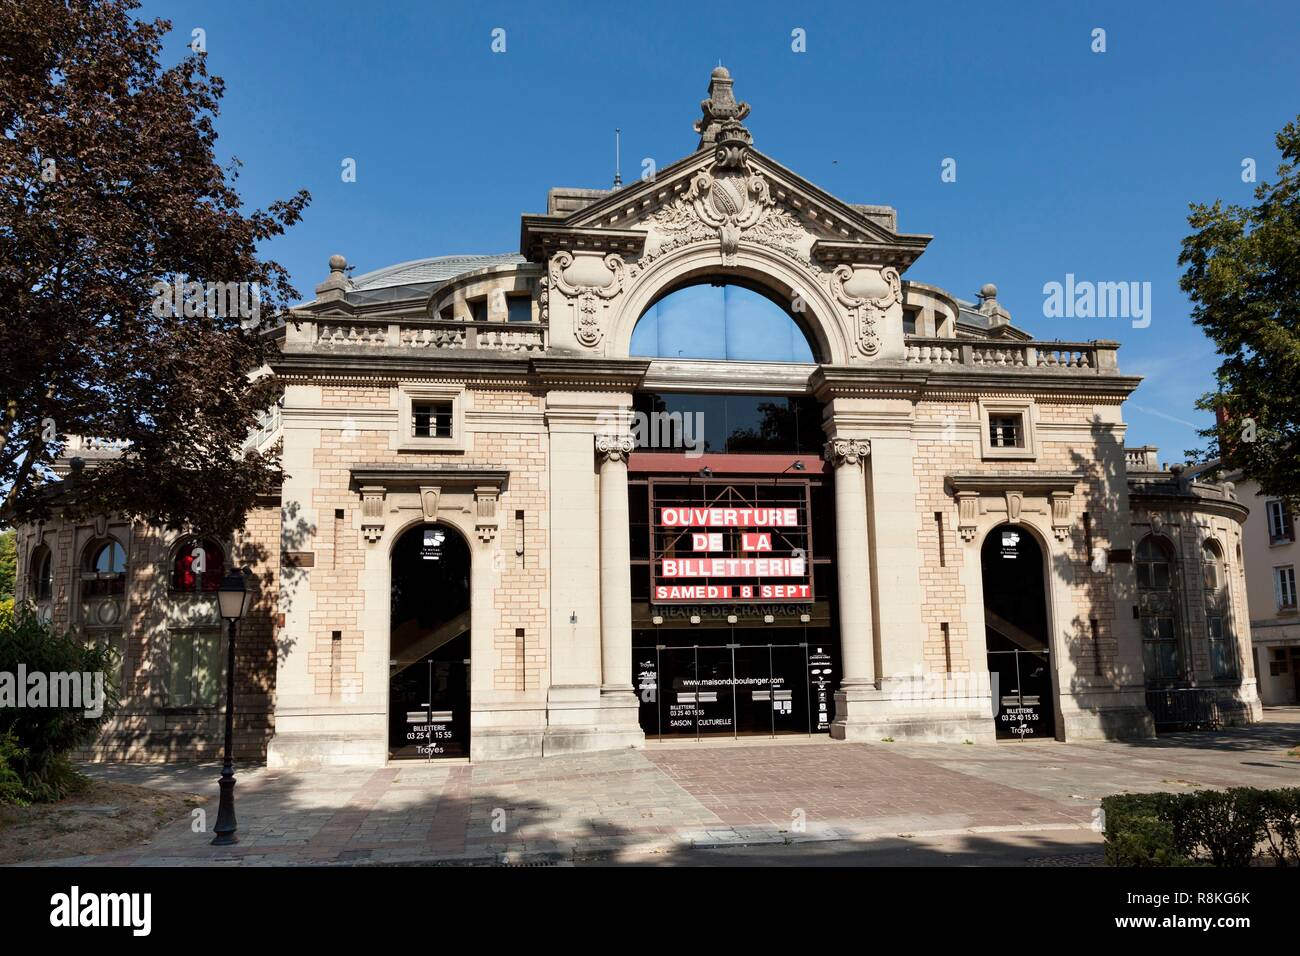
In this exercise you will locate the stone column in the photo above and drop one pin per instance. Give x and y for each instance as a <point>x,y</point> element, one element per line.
<point>615,566</point>
<point>853,565</point>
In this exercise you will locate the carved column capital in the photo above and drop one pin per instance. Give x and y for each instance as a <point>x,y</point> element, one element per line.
<point>847,451</point>
<point>614,447</point>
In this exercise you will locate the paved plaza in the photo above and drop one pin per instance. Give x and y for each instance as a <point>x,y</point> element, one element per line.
<point>802,801</point>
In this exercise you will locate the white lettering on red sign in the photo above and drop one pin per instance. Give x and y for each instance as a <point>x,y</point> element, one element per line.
<point>710,541</point>
<point>756,541</point>
<point>729,517</point>
<point>734,568</point>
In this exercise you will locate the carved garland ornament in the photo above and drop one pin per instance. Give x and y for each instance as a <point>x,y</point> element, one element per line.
<point>587,327</point>
<point>868,313</point>
<point>728,202</point>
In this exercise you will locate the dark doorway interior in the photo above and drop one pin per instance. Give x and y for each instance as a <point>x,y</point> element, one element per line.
<point>429,660</point>
<point>1015,628</point>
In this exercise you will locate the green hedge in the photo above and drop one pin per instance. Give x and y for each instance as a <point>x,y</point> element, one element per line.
<point>1208,827</point>
<point>36,743</point>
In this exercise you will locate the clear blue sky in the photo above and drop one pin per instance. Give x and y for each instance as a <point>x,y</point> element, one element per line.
<point>1068,161</point>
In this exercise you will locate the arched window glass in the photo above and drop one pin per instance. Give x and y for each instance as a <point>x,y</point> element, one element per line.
<point>1212,566</point>
<point>42,574</point>
<point>1152,564</point>
<point>1223,656</point>
<point>105,569</point>
<point>199,565</point>
<point>723,321</point>
<point>1158,611</point>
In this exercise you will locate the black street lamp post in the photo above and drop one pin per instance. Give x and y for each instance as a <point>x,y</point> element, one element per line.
<point>233,599</point>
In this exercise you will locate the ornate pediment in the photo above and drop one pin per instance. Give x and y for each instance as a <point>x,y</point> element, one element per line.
<point>725,207</point>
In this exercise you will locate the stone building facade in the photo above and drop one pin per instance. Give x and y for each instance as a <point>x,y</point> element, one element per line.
<point>698,460</point>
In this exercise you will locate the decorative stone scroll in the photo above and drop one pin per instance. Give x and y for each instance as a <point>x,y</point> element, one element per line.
<point>847,451</point>
<point>592,282</point>
<point>868,294</point>
<point>372,512</point>
<point>614,447</point>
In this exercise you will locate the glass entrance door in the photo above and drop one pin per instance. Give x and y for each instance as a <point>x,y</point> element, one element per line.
<point>1023,685</point>
<point>428,708</point>
<point>731,690</point>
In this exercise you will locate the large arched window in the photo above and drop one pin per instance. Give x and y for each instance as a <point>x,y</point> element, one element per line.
<point>41,573</point>
<point>1223,657</point>
<point>1158,610</point>
<point>199,564</point>
<point>720,321</point>
<point>104,571</point>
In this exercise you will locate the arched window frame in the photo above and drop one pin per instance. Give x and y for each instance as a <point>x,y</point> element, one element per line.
<point>1218,618</point>
<point>1158,603</point>
<point>97,582</point>
<point>40,574</point>
<point>181,578</point>
<point>806,340</point>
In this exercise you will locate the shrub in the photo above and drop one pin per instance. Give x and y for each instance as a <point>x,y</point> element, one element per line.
<point>12,791</point>
<point>1281,812</point>
<point>1213,827</point>
<point>45,737</point>
<point>1140,830</point>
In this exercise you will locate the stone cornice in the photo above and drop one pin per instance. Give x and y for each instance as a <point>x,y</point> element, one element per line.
<point>1158,499</point>
<point>900,253</point>
<point>1028,482</point>
<point>540,236</point>
<point>589,374</point>
<point>458,365</point>
<point>445,477</point>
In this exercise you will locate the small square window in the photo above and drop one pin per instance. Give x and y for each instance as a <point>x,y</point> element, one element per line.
<point>1006,431</point>
<point>909,321</point>
<point>519,308</point>
<point>478,311</point>
<point>431,419</point>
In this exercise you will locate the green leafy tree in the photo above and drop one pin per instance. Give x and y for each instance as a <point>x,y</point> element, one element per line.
<point>8,562</point>
<point>1243,277</point>
<point>110,194</point>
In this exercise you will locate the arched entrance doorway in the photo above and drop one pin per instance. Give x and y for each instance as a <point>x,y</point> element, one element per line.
<point>429,641</point>
<point>1016,632</point>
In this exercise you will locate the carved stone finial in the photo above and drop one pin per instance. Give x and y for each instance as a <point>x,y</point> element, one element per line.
<point>847,451</point>
<point>334,287</point>
<point>989,305</point>
<point>614,447</point>
<point>721,122</point>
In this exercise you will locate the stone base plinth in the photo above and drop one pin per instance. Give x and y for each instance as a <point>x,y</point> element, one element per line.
<point>583,719</point>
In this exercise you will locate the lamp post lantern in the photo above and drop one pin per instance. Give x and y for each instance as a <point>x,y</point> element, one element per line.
<point>233,600</point>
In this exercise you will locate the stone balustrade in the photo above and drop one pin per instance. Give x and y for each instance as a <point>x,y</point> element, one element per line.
<point>325,333</point>
<point>1089,357</point>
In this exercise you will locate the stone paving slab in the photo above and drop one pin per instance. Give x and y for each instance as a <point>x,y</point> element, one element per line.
<point>664,803</point>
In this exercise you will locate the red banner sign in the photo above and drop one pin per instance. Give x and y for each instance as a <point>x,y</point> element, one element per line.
<point>735,541</point>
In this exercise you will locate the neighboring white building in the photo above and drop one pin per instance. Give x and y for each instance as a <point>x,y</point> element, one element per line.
<point>1272,560</point>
